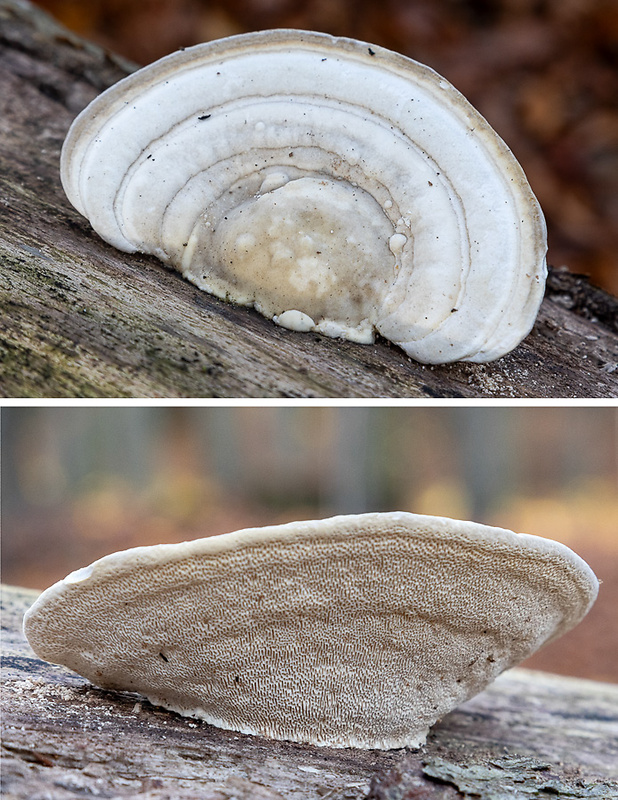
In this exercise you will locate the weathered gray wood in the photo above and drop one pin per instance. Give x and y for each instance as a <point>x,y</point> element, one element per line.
<point>82,319</point>
<point>63,738</point>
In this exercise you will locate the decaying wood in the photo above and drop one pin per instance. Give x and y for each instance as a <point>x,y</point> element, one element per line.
<point>82,319</point>
<point>528,735</point>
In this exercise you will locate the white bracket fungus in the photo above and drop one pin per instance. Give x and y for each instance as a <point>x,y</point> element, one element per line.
<point>333,185</point>
<point>357,631</point>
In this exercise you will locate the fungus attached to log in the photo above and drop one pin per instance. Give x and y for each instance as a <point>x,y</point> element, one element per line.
<point>358,630</point>
<point>333,186</point>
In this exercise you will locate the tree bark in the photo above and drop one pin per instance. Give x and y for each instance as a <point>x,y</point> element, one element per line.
<point>528,735</point>
<point>80,319</point>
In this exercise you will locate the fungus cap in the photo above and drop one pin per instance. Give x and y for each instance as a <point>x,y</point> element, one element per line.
<point>359,630</point>
<point>305,174</point>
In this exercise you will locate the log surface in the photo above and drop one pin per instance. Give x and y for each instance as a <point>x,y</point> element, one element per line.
<point>80,319</point>
<point>529,735</point>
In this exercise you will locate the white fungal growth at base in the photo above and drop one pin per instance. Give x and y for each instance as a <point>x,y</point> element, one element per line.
<point>295,321</point>
<point>362,191</point>
<point>355,631</point>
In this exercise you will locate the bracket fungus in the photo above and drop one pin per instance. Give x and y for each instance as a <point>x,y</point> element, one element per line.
<point>354,631</point>
<point>332,185</point>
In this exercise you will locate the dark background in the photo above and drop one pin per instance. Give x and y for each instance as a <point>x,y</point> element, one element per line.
<point>543,72</point>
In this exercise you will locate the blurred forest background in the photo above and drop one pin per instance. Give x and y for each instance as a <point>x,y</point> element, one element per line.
<point>78,483</point>
<point>543,72</point>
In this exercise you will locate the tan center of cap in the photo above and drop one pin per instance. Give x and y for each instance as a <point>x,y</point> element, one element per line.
<point>312,244</point>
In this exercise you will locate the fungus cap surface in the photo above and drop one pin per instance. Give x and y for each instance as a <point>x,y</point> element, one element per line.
<point>299,172</point>
<point>359,630</point>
